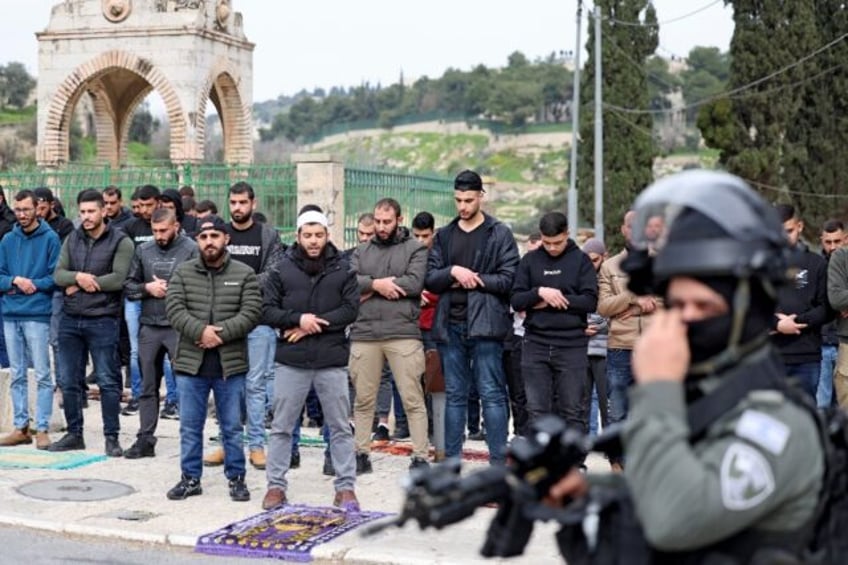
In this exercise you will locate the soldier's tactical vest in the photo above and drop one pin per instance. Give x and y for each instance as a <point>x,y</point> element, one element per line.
<point>618,538</point>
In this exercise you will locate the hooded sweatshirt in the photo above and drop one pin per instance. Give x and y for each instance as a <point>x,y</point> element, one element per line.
<point>32,256</point>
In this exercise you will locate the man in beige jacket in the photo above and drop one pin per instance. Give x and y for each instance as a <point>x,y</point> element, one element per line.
<point>629,316</point>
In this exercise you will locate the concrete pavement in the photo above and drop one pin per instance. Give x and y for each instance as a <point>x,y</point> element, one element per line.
<point>181,522</point>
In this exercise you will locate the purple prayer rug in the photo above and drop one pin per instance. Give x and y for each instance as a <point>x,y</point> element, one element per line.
<point>288,533</point>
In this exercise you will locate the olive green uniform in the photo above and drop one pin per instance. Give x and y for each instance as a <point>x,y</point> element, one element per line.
<point>758,467</point>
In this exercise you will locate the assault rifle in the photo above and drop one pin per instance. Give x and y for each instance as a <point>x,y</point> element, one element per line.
<point>439,496</point>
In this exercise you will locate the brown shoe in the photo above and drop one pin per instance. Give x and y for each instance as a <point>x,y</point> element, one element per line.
<point>439,457</point>
<point>214,458</point>
<point>16,437</point>
<point>42,440</point>
<point>257,458</point>
<point>346,500</point>
<point>274,498</point>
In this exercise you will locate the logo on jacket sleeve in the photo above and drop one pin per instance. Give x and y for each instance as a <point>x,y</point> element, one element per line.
<point>746,477</point>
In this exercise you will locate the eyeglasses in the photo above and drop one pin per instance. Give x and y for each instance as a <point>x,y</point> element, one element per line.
<point>23,211</point>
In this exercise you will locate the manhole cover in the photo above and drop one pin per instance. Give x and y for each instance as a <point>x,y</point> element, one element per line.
<point>75,490</point>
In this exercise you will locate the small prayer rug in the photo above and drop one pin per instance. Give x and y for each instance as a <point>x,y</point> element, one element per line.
<point>288,533</point>
<point>23,458</point>
<point>405,449</point>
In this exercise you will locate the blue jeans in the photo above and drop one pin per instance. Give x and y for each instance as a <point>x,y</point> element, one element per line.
<point>466,360</point>
<point>824,393</point>
<point>4,356</point>
<point>619,380</point>
<point>30,340</point>
<point>194,400</point>
<point>132,313</point>
<point>807,375</point>
<point>171,395</point>
<point>98,336</point>
<point>259,387</point>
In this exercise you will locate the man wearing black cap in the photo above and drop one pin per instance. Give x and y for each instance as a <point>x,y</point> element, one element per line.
<point>472,265</point>
<point>46,210</point>
<point>213,302</point>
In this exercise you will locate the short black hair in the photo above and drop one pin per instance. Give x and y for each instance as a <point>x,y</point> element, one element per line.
<point>833,225</point>
<point>367,218</point>
<point>206,206</point>
<point>112,191</point>
<point>534,237</point>
<point>390,203</point>
<point>242,187</point>
<point>785,211</point>
<point>189,203</point>
<point>186,191</point>
<point>163,215</point>
<point>309,208</point>
<point>553,223</point>
<point>147,192</point>
<point>24,194</point>
<point>90,195</point>
<point>468,180</point>
<point>424,221</point>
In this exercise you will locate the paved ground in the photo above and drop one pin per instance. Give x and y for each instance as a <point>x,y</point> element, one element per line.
<point>180,523</point>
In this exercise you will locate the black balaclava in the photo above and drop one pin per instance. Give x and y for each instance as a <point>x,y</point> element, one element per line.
<point>711,337</point>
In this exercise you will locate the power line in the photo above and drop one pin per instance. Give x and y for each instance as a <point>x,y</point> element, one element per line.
<point>788,191</point>
<point>640,67</point>
<point>739,89</point>
<point>641,129</point>
<point>669,21</point>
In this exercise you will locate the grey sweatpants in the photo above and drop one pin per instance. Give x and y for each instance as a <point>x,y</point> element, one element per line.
<point>291,386</point>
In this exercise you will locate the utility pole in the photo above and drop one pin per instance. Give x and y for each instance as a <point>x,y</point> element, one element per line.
<point>575,129</point>
<point>599,132</point>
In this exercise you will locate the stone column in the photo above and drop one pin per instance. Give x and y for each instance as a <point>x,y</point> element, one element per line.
<point>320,180</point>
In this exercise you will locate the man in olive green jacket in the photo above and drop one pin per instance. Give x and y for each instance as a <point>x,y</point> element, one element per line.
<point>212,303</point>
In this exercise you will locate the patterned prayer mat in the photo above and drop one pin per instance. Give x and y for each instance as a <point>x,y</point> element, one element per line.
<point>405,449</point>
<point>288,533</point>
<point>27,458</point>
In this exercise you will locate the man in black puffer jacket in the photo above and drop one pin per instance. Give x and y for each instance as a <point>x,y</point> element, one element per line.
<point>310,298</point>
<point>557,287</point>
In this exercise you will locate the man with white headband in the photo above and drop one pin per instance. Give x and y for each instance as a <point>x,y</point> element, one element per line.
<point>310,300</point>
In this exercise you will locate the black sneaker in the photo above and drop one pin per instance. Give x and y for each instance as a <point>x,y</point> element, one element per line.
<point>69,442</point>
<point>479,435</point>
<point>328,469</point>
<point>238,490</point>
<point>401,432</point>
<point>363,464</point>
<point>113,448</point>
<point>188,486</point>
<point>418,463</point>
<point>131,408</point>
<point>170,411</point>
<point>382,433</point>
<point>141,448</point>
<point>294,463</point>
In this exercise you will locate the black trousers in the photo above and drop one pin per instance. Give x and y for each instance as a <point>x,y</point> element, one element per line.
<point>556,382</point>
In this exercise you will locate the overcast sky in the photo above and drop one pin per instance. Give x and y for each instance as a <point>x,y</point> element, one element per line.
<point>310,43</point>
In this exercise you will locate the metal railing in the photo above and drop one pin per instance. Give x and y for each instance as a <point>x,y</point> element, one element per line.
<point>415,193</point>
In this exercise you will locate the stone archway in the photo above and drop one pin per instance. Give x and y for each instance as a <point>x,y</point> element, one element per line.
<point>120,51</point>
<point>117,82</point>
<point>222,89</point>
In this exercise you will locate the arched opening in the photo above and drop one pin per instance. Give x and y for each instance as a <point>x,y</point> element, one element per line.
<point>234,120</point>
<point>113,86</point>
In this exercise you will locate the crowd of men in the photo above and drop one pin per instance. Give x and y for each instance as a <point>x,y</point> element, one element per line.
<point>425,319</point>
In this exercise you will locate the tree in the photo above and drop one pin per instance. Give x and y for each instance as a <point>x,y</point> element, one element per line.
<point>143,125</point>
<point>15,85</point>
<point>629,148</point>
<point>815,153</point>
<point>750,128</point>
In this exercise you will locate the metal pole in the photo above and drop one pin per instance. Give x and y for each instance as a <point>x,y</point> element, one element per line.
<point>575,130</point>
<point>599,132</point>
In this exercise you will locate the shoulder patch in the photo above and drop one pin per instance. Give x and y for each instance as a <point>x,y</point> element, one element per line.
<point>763,430</point>
<point>746,477</point>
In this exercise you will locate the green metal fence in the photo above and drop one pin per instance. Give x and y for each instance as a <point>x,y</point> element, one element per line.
<point>275,185</point>
<point>415,193</point>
